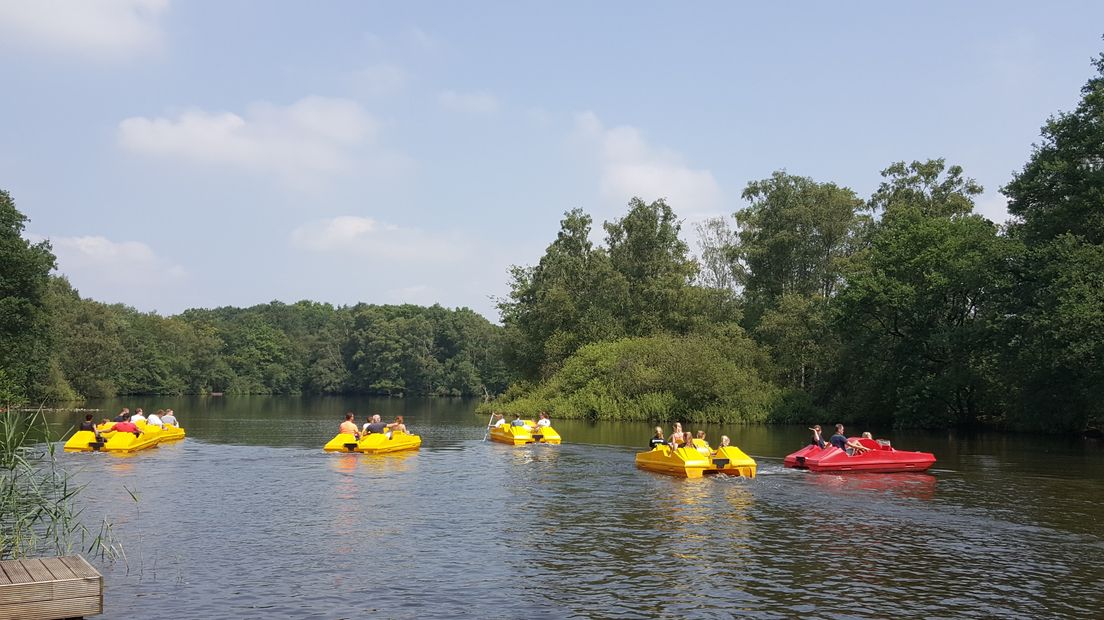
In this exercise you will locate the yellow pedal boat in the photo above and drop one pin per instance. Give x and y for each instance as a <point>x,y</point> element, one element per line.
<point>373,443</point>
<point>521,435</point>
<point>85,441</point>
<point>689,462</point>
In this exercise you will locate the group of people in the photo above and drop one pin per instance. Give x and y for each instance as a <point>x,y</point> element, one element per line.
<point>680,438</point>
<point>839,440</point>
<point>127,422</point>
<point>542,421</point>
<point>374,424</point>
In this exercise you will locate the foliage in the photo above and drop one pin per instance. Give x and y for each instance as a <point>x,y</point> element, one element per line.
<point>702,378</point>
<point>37,499</point>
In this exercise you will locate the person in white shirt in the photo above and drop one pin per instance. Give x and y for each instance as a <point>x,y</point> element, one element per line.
<point>543,421</point>
<point>138,416</point>
<point>498,420</point>
<point>154,419</point>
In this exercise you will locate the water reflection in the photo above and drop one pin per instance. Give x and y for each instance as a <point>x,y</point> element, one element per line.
<point>262,519</point>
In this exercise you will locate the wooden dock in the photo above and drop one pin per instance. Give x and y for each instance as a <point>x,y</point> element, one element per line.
<point>49,588</point>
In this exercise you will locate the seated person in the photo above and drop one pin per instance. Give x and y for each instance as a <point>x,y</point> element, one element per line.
<point>702,446</point>
<point>349,426</point>
<point>154,419</point>
<point>839,440</point>
<point>126,426</point>
<point>89,425</point>
<point>169,419</point>
<point>138,416</point>
<point>657,439</point>
<point>854,447</point>
<point>498,420</point>
<point>544,420</point>
<point>124,415</point>
<point>676,435</point>
<point>518,421</point>
<point>724,442</point>
<point>817,440</point>
<point>397,425</point>
<point>374,426</point>
<point>867,435</point>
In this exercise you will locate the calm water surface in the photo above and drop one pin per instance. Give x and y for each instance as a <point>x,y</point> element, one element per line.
<point>248,517</point>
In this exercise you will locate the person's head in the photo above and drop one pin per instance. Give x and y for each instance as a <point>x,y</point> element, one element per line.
<point>839,429</point>
<point>543,415</point>
<point>349,417</point>
<point>398,419</point>
<point>138,411</point>
<point>517,416</point>
<point>815,428</point>
<point>867,435</point>
<point>724,440</point>
<point>125,410</point>
<point>88,417</point>
<point>498,415</point>
<point>678,426</point>
<point>701,434</point>
<point>375,417</point>
<point>659,431</point>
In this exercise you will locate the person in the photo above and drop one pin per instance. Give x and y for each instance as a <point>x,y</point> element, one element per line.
<point>544,420</point>
<point>124,415</point>
<point>725,442</point>
<point>817,440</point>
<point>349,426</point>
<point>839,440</point>
<point>518,421</point>
<point>676,435</point>
<point>397,425</point>
<point>498,420</point>
<point>169,419</point>
<point>657,439</point>
<point>138,416</point>
<point>89,425</point>
<point>702,446</point>
<point>867,435</point>
<point>126,426</point>
<point>854,447</point>
<point>154,419</point>
<point>374,425</point>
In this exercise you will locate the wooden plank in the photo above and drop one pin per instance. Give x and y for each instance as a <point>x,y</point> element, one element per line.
<point>4,577</point>
<point>48,610</point>
<point>16,572</point>
<point>37,571</point>
<point>19,593</point>
<point>58,568</point>
<point>80,566</point>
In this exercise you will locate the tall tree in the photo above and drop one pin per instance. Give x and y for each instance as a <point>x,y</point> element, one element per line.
<point>794,238</point>
<point>645,248</point>
<point>24,319</point>
<point>930,187</point>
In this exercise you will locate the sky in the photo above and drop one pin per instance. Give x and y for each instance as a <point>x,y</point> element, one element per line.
<point>231,153</point>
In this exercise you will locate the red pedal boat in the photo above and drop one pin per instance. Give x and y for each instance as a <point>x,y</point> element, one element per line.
<point>880,458</point>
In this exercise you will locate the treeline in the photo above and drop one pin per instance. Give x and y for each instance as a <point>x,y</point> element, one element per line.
<point>60,347</point>
<point>904,308</point>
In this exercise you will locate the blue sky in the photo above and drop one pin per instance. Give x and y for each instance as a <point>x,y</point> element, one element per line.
<point>200,154</point>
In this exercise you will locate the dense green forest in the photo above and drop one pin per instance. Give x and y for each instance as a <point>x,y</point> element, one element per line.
<point>905,308</point>
<point>60,347</point>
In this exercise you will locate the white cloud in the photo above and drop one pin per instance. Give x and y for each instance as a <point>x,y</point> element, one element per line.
<point>379,80</point>
<point>116,271</point>
<point>99,27</point>
<point>629,166</point>
<point>311,138</point>
<point>472,103</point>
<point>365,237</point>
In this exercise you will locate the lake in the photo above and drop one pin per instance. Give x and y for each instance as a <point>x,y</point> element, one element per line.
<point>248,517</point>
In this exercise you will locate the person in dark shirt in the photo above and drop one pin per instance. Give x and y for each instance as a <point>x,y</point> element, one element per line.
<point>375,425</point>
<point>89,425</point>
<point>124,415</point>
<point>839,440</point>
<point>817,439</point>
<point>658,439</point>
